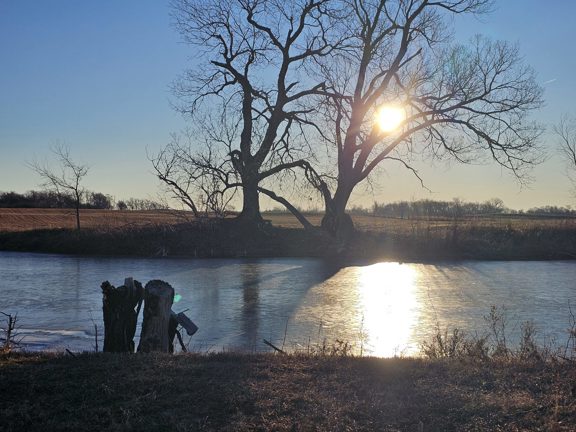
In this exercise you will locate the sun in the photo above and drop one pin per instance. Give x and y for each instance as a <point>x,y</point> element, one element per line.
<point>390,117</point>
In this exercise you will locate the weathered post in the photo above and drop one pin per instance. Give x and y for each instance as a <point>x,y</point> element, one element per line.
<point>158,297</point>
<point>121,307</point>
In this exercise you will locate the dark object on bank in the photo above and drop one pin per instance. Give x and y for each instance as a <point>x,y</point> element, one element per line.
<point>186,323</point>
<point>121,307</point>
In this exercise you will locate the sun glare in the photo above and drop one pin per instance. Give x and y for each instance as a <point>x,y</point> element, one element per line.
<point>390,117</point>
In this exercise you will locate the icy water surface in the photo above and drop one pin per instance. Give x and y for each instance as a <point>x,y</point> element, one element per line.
<point>384,308</point>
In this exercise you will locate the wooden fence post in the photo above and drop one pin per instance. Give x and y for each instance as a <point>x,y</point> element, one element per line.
<point>158,298</point>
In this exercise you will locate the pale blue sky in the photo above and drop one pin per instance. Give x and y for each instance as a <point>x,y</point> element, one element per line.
<point>95,76</point>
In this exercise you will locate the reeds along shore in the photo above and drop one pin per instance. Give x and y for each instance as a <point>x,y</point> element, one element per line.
<point>376,238</point>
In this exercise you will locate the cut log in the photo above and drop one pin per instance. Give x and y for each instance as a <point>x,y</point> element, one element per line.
<point>158,298</point>
<point>120,307</point>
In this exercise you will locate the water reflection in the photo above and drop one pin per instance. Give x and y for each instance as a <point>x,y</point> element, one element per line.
<point>250,317</point>
<point>375,308</point>
<point>389,306</point>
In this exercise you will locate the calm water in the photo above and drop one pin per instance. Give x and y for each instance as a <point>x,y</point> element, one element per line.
<point>385,308</point>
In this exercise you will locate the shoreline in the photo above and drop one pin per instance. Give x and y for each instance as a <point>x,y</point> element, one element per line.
<point>227,239</point>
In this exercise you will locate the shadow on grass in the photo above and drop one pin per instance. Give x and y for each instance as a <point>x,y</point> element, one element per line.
<point>236,392</point>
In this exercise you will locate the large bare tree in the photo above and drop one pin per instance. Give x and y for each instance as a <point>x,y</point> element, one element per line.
<point>65,178</point>
<point>251,63</point>
<point>459,100</point>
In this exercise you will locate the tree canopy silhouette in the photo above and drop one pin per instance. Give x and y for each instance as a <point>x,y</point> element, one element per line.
<point>251,66</point>
<point>275,79</point>
<point>459,100</point>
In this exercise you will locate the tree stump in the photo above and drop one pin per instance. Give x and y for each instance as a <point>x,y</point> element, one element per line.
<point>158,297</point>
<point>121,307</point>
<point>173,331</point>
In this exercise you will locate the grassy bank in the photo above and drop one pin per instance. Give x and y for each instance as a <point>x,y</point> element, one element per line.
<point>400,240</point>
<point>233,392</point>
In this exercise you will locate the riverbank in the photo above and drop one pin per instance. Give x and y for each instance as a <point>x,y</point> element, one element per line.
<point>241,392</point>
<point>213,238</point>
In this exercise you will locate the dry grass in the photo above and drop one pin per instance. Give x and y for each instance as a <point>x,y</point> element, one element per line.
<point>233,392</point>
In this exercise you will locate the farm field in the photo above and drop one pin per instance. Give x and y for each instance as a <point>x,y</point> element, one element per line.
<point>13,220</point>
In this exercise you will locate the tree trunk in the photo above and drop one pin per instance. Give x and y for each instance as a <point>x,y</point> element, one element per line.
<point>335,221</point>
<point>78,218</point>
<point>338,224</point>
<point>77,200</point>
<point>158,298</point>
<point>121,307</point>
<point>250,204</point>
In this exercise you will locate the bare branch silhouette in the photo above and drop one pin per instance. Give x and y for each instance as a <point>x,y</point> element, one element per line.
<point>66,178</point>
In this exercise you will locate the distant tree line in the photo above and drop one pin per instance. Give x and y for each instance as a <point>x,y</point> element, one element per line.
<point>430,209</point>
<point>51,199</point>
<point>550,211</point>
<point>140,204</point>
<point>90,200</point>
<point>455,209</point>
<point>434,209</point>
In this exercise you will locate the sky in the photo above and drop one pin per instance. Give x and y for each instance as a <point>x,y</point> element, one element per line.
<point>95,76</point>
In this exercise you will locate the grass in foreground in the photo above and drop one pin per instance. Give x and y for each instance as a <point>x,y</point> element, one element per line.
<point>234,392</point>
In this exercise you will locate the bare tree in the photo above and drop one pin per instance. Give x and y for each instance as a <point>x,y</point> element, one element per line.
<point>459,101</point>
<point>65,179</point>
<point>252,64</point>
<point>185,171</point>
<point>566,132</point>
<point>171,167</point>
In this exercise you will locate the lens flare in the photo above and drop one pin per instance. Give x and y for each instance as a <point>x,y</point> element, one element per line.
<point>390,117</point>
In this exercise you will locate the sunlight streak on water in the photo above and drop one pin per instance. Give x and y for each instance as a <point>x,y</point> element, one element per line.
<point>389,306</point>
<point>375,308</point>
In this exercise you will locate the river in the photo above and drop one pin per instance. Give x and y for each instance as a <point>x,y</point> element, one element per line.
<point>380,309</point>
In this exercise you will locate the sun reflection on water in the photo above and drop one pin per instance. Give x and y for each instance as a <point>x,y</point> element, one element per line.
<point>388,302</point>
<point>375,308</point>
